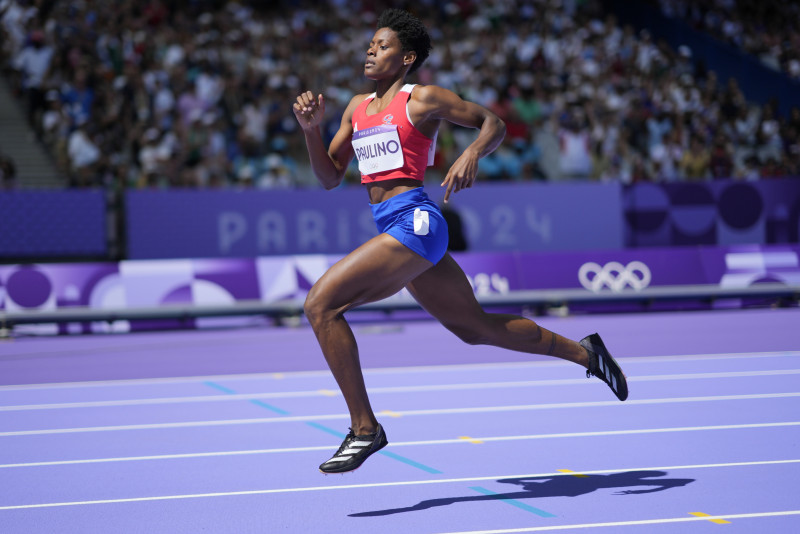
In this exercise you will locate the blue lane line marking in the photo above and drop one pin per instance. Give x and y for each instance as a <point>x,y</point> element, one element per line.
<point>329,430</point>
<point>410,462</point>
<point>257,402</point>
<point>513,502</point>
<point>326,429</point>
<point>269,407</point>
<point>220,388</point>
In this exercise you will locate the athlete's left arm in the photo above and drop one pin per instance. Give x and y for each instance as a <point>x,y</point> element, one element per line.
<point>436,103</point>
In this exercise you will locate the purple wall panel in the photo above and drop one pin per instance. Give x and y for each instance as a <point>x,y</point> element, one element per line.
<point>497,218</point>
<point>712,213</point>
<point>246,223</point>
<point>540,217</point>
<point>504,217</point>
<point>52,223</point>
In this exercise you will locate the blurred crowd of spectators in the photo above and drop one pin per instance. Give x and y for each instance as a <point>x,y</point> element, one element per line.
<point>198,93</point>
<point>767,29</point>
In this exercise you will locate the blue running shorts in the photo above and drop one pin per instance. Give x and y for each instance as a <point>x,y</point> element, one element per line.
<point>414,220</point>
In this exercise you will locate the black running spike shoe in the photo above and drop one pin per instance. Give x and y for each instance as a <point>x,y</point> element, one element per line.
<point>604,367</point>
<point>354,450</point>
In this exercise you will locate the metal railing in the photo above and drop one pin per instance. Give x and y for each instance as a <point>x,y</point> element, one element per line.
<point>534,301</point>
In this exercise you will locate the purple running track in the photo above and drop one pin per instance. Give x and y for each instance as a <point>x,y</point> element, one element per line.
<point>221,431</point>
<point>232,351</point>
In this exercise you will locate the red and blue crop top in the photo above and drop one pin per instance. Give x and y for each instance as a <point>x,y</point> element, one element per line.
<point>387,145</point>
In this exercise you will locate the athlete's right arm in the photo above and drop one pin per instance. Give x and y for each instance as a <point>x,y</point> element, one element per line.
<point>328,165</point>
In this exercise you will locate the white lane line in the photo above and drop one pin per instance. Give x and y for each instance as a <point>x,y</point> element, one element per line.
<point>392,370</point>
<point>631,523</point>
<point>436,411</point>
<point>387,389</point>
<point>397,484</point>
<point>458,441</point>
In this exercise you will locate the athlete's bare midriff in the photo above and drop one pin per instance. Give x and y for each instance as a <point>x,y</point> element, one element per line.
<point>386,189</point>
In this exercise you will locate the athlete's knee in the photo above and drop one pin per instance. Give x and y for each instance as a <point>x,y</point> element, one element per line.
<point>317,307</point>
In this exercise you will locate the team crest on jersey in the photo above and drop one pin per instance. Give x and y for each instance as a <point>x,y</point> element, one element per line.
<point>388,119</point>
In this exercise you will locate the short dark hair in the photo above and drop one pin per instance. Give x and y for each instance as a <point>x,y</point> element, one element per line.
<point>411,31</point>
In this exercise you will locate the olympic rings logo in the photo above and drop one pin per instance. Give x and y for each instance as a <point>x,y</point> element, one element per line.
<point>614,276</point>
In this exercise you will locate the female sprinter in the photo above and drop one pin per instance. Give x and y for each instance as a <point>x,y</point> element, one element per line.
<point>391,132</point>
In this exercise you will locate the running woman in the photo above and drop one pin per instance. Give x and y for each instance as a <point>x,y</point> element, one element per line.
<point>392,133</point>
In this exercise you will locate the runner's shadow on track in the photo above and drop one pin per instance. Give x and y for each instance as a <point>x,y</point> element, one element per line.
<point>568,485</point>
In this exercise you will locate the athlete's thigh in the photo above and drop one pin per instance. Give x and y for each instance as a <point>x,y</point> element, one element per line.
<point>376,270</point>
<point>445,292</point>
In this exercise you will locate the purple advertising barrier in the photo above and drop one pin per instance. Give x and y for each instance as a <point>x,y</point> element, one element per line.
<point>52,223</point>
<point>245,223</point>
<point>712,213</point>
<point>269,279</point>
<point>251,223</point>
<point>539,216</point>
<point>620,270</point>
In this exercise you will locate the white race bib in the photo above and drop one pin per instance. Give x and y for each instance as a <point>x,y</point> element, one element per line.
<point>378,149</point>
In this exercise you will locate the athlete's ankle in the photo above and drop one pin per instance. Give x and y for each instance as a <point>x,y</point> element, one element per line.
<point>364,429</point>
<point>585,357</point>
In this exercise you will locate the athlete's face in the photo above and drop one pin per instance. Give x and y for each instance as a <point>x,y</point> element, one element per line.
<point>385,55</point>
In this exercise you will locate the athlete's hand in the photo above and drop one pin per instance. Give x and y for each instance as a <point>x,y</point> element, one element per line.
<point>462,174</point>
<point>309,112</point>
